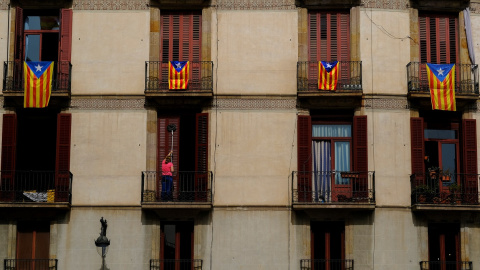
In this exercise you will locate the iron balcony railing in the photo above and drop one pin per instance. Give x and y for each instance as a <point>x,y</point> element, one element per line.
<point>176,264</point>
<point>326,264</point>
<point>193,187</point>
<point>466,78</point>
<point>349,77</point>
<point>200,77</point>
<point>436,187</point>
<point>13,77</point>
<point>446,265</point>
<point>30,264</point>
<point>35,186</point>
<point>317,187</point>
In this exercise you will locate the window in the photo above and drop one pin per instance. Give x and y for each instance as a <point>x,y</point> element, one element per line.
<point>30,165</point>
<point>444,245</point>
<point>441,142</point>
<point>438,38</point>
<point>328,245</point>
<point>176,245</point>
<point>190,154</point>
<point>180,36</point>
<point>332,159</point>
<point>33,242</point>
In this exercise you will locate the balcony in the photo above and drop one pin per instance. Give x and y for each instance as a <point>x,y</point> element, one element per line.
<point>349,86</point>
<point>200,84</point>
<point>23,190</point>
<point>445,265</point>
<point>191,190</point>
<point>330,189</point>
<point>437,191</point>
<point>13,81</point>
<point>37,264</point>
<point>326,264</point>
<point>176,264</point>
<point>466,84</point>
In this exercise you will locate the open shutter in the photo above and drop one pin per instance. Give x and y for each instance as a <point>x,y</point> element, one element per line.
<point>18,53</point>
<point>304,160</point>
<point>65,49</point>
<point>9,147</point>
<point>201,159</point>
<point>418,152</point>
<point>164,146</point>
<point>62,161</point>
<point>360,155</point>
<point>470,160</point>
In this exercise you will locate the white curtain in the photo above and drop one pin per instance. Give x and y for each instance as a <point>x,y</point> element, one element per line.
<point>321,151</point>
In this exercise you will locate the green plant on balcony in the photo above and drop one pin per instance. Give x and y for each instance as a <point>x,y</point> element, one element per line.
<point>455,193</point>
<point>445,175</point>
<point>423,194</point>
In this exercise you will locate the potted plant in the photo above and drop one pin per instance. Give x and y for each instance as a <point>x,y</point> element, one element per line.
<point>433,172</point>
<point>455,192</point>
<point>446,175</point>
<point>422,194</point>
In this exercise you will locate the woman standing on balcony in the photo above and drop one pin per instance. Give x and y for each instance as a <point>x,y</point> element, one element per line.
<point>167,180</point>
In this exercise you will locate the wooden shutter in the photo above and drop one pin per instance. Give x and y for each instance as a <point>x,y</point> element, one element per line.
<point>62,160</point>
<point>65,49</point>
<point>201,158</point>
<point>360,156</point>
<point>18,34</point>
<point>304,160</point>
<point>9,147</point>
<point>33,242</point>
<point>417,151</point>
<point>438,38</point>
<point>164,145</point>
<point>329,36</point>
<point>180,36</point>
<point>470,160</point>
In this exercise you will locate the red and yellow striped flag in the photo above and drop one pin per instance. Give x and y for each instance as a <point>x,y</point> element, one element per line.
<point>178,74</point>
<point>38,84</point>
<point>327,75</point>
<point>441,80</point>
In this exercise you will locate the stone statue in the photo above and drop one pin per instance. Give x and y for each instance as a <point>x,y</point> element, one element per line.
<point>103,230</point>
<point>102,240</point>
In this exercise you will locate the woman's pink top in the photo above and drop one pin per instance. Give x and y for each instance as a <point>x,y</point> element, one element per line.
<point>167,168</point>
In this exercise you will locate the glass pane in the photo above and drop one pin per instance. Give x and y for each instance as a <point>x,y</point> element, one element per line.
<point>42,23</point>
<point>342,161</point>
<point>32,48</point>
<point>449,159</point>
<point>332,131</point>
<point>169,252</point>
<point>439,134</point>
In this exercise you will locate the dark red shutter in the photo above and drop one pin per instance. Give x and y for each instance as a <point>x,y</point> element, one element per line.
<point>164,146</point>
<point>180,36</point>
<point>33,242</point>
<point>9,147</point>
<point>65,49</point>
<point>418,152</point>
<point>470,160</point>
<point>304,160</point>
<point>360,155</point>
<point>438,38</point>
<point>201,158</point>
<point>18,54</point>
<point>62,161</point>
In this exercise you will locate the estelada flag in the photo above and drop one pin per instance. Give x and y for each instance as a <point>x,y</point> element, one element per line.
<point>441,80</point>
<point>38,84</point>
<point>327,75</point>
<point>178,74</point>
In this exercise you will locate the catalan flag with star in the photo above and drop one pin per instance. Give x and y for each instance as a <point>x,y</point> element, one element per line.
<point>38,84</point>
<point>441,80</point>
<point>327,75</point>
<point>178,74</point>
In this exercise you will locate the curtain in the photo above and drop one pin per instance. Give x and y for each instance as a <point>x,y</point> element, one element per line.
<point>468,30</point>
<point>342,162</point>
<point>321,151</point>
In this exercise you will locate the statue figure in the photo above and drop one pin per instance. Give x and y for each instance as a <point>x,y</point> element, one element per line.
<point>103,231</point>
<point>102,240</point>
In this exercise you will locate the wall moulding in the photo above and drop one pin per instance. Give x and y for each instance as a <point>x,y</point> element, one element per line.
<point>107,104</point>
<point>111,4</point>
<point>253,104</point>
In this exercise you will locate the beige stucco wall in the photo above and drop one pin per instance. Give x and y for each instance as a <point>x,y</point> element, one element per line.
<point>106,60</point>
<point>108,155</point>
<point>384,50</point>
<point>253,156</point>
<point>256,52</point>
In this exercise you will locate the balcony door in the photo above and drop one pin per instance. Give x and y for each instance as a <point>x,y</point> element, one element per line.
<point>328,245</point>
<point>176,245</point>
<point>444,246</point>
<point>33,244</point>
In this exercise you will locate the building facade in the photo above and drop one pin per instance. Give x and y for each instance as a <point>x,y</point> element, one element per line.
<point>272,168</point>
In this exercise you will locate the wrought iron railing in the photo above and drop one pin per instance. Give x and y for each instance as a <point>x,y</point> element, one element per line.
<point>176,264</point>
<point>326,264</point>
<point>318,187</point>
<point>194,187</point>
<point>446,265</point>
<point>466,78</point>
<point>436,187</point>
<point>200,76</point>
<point>13,77</point>
<point>30,264</point>
<point>35,186</point>
<point>349,77</point>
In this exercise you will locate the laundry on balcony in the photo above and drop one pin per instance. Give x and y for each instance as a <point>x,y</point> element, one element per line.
<point>48,196</point>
